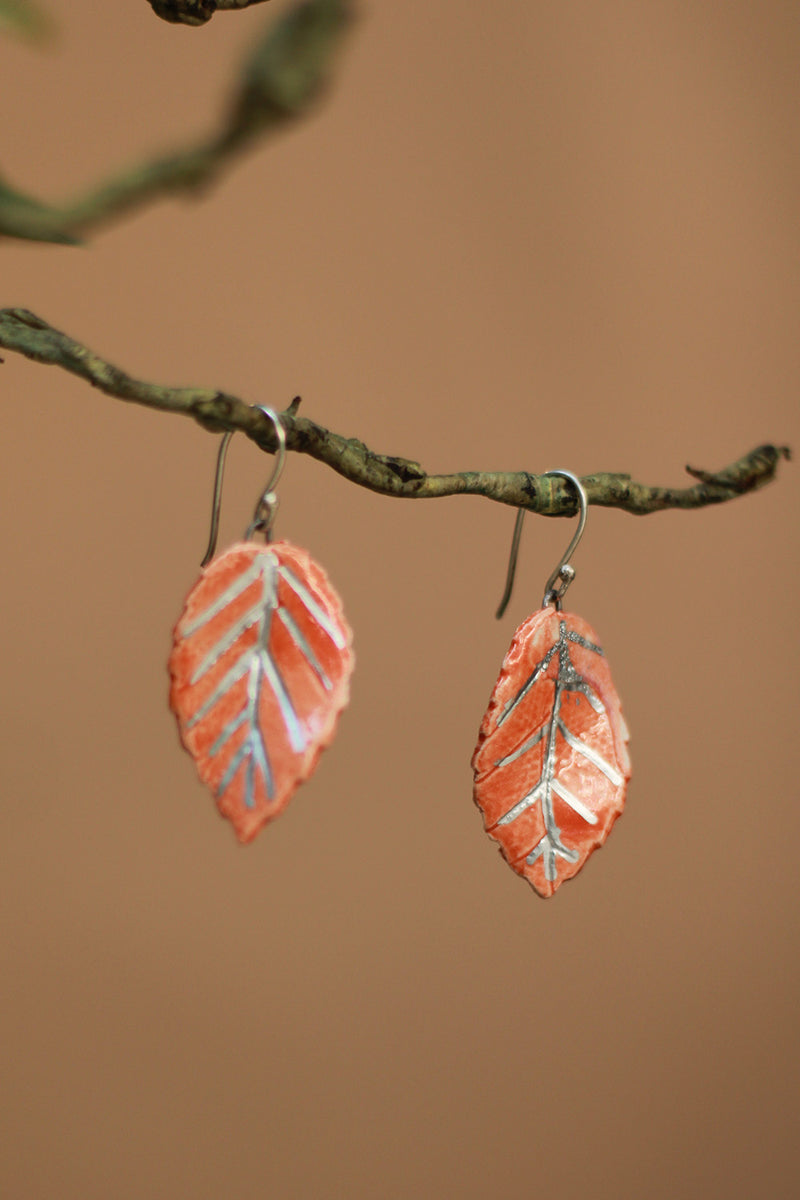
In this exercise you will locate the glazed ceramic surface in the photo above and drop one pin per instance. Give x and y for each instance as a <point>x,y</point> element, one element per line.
<point>551,764</point>
<point>260,670</point>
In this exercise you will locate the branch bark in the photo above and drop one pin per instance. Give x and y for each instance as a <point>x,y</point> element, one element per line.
<point>284,76</point>
<point>25,333</point>
<point>194,12</point>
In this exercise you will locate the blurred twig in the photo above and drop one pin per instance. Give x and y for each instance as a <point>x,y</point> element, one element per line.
<point>548,495</point>
<point>194,12</point>
<point>26,18</point>
<point>283,77</point>
<point>23,216</point>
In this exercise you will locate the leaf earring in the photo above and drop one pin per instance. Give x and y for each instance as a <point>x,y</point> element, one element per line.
<point>260,665</point>
<point>551,765</point>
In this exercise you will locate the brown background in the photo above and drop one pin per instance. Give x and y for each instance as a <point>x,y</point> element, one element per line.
<point>514,236</point>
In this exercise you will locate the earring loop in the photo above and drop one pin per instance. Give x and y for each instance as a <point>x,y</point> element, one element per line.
<point>564,572</point>
<point>280,456</point>
<point>267,506</point>
<point>265,510</point>
<point>216,499</point>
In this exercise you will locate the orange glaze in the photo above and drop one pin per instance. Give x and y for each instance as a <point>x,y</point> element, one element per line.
<point>551,765</point>
<point>288,667</point>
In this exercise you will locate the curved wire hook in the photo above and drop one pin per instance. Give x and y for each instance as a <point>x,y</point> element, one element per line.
<point>217,498</point>
<point>267,505</point>
<point>564,572</point>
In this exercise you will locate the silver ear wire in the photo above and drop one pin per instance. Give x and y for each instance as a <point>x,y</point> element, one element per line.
<point>563,572</point>
<point>512,564</point>
<point>216,500</point>
<point>267,506</point>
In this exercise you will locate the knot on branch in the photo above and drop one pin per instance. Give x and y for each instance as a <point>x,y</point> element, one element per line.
<point>402,468</point>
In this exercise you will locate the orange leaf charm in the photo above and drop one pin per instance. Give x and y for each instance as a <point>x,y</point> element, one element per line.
<point>551,764</point>
<point>260,671</point>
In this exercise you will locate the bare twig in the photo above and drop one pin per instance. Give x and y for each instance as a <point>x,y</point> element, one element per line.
<point>548,495</point>
<point>26,18</point>
<point>195,12</point>
<point>284,76</point>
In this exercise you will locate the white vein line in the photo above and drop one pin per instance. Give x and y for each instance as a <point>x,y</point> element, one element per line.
<point>579,640</point>
<point>546,846</point>
<point>574,803</point>
<point>521,805</point>
<point>302,645</point>
<point>232,635</point>
<point>229,730</point>
<point>584,688</point>
<point>250,782</point>
<point>524,748</point>
<point>260,754</point>
<point>317,612</point>
<point>233,767</point>
<point>228,680</point>
<point>297,737</point>
<point>239,585</point>
<point>252,750</point>
<point>548,764</point>
<point>256,736</point>
<point>587,751</point>
<point>538,671</point>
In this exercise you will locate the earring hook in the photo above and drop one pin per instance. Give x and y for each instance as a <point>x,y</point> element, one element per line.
<point>216,500</point>
<point>267,506</point>
<point>563,572</point>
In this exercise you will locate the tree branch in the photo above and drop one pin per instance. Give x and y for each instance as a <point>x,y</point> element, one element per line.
<point>194,12</point>
<point>27,334</point>
<point>284,76</point>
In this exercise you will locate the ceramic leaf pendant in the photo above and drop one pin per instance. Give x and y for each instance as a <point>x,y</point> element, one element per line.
<point>260,665</point>
<point>551,765</point>
<point>260,670</point>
